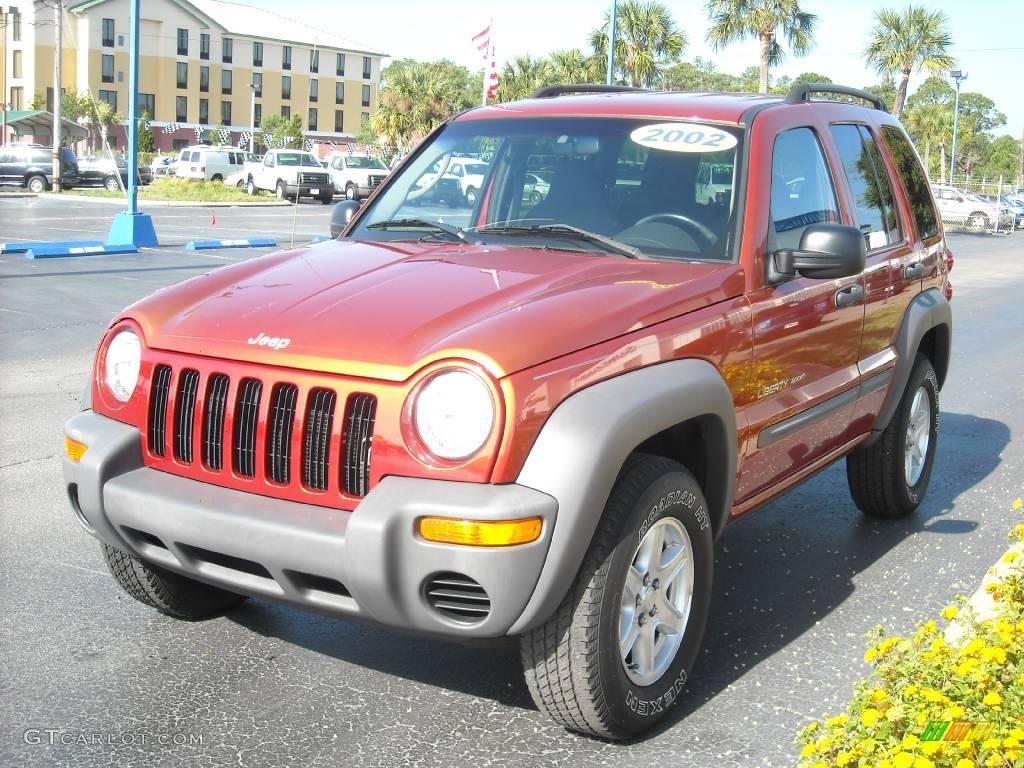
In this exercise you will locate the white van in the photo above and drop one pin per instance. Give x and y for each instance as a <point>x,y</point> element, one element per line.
<point>206,163</point>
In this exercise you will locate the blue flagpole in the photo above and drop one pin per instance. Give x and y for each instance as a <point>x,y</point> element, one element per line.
<point>611,44</point>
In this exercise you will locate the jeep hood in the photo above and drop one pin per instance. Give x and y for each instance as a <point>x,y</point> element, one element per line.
<point>385,309</point>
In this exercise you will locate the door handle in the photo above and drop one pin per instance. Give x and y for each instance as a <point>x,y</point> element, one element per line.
<point>847,297</point>
<point>914,271</point>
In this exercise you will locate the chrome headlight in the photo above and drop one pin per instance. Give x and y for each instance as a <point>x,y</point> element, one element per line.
<point>454,414</point>
<point>121,364</point>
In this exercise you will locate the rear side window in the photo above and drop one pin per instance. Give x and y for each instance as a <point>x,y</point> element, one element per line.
<point>870,184</point>
<point>914,181</point>
<point>41,156</point>
<point>802,191</point>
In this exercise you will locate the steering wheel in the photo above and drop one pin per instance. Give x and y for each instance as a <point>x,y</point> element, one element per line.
<point>704,236</point>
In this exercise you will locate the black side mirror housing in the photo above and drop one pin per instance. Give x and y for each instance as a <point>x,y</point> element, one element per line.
<point>826,251</point>
<point>342,215</point>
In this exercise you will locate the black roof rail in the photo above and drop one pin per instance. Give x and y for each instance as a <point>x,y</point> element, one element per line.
<point>550,91</point>
<point>801,92</point>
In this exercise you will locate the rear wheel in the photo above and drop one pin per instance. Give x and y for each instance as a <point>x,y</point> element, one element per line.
<point>170,593</point>
<point>327,199</point>
<point>110,184</point>
<point>471,196</point>
<point>889,477</point>
<point>616,654</point>
<point>217,177</point>
<point>978,219</point>
<point>281,190</point>
<point>250,187</point>
<point>37,184</point>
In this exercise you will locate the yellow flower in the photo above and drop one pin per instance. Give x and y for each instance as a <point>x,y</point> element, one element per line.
<point>870,654</point>
<point>877,695</point>
<point>1010,556</point>
<point>990,744</point>
<point>843,758</point>
<point>931,747</point>
<point>973,647</point>
<point>1017,733</point>
<point>950,612</point>
<point>963,762</point>
<point>812,727</point>
<point>930,694</point>
<point>928,628</point>
<point>903,760</point>
<point>869,717</point>
<point>992,699</point>
<point>807,751</point>
<point>923,762</point>
<point>966,667</point>
<point>997,655</point>
<point>954,712</point>
<point>909,741</point>
<point>1018,504</point>
<point>910,690</point>
<point>1011,743</point>
<point>838,720</point>
<point>994,761</point>
<point>1012,755</point>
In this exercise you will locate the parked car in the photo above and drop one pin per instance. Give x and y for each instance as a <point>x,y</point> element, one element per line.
<point>355,176</point>
<point>958,206</point>
<point>241,176</point>
<point>109,173</point>
<point>291,174</point>
<point>535,427</point>
<point>162,165</point>
<point>208,163</point>
<point>470,175</point>
<point>535,189</point>
<point>1014,205</point>
<point>31,167</point>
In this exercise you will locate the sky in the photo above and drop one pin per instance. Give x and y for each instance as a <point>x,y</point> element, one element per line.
<point>988,36</point>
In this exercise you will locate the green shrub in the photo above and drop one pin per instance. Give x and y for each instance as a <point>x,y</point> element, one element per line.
<point>974,676</point>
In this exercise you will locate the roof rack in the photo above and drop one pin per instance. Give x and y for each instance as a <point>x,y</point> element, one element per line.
<point>801,92</point>
<point>550,91</point>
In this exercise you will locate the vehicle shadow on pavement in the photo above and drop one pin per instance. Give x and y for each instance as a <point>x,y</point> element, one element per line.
<point>778,572</point>
<point>789,564</point>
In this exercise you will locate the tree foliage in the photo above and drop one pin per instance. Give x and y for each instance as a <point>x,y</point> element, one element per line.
<point>278,132</point>
<point>647,38</point>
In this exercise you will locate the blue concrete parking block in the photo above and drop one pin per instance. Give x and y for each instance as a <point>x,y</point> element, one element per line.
<point>205,245</point>
<point>58,250</point>
<point>6,248</point>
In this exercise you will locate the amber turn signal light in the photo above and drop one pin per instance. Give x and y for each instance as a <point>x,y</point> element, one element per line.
<point>74,449</point>
<point>480,533</point>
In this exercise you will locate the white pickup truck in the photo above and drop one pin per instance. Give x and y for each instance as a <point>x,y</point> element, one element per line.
<point>355,176</point>
<point>291,174</point>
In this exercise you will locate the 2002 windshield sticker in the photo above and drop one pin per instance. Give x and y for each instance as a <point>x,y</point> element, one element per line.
<point>683,137</point>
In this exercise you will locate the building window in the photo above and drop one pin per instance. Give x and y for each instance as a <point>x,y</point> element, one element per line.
<point>366,67</point>
<point>340,65</point>
<point>183,74</point>
<point>226,49</point>
<point>314,90</point>
<point>177,144</point>
<point>286,87</point>
<point>182,42</point>
<point>366,95</point>
<point>108,33</point>
<point>16,63</point>
<point>257,115</point>
<point>49,99</point>
<point>110,97</point>
<point>286,57</point>
<point>257,83</point>
<point>16,26</point>
<point>225,112</point>
<point>204,46</point>
<point>257,54</point>
<point>107,68</point>
<point>147,105</point>
<point>312,120</point>
<point>364,118</point>
<point>204,79</point>
<point>17,98</point>
<point>339,92</point>
<point>339,120</point>
<point>314,60</point>
<point>204,111</point>
<point>225,81</point>
<point>181,109</point>
<point>286,112</point>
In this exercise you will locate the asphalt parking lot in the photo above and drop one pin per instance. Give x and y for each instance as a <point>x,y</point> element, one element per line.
<point>798,582</point>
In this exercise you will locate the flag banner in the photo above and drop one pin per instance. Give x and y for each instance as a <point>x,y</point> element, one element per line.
<point>171,127</point>
<point>492,79</point>
<point>482,41</point>
<point>350,149</point>
<point>308,145</point>
<point>224,135</point>
<point>332,144</point>
<point>149,123</point>
<point>243,140</point>
<point>199,133</point>
<point>283,141</point>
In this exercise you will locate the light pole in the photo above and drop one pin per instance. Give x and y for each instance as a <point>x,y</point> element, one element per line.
<point>252,118</point>
<point>7,12</point>
<point>611,43</point>
<point>959,76</point>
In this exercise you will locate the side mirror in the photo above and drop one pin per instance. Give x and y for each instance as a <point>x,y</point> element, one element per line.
<point>826,251</point>
<point>342,215</point>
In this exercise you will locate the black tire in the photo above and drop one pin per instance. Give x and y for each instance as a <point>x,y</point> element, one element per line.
<point>217,177</point>
<point>36,184</point>
<point>978,219</point>
<point>471,197</point>
<point>281,190</point>
<point>327,199</point>
<point>350,191</point>
<point>250,187</point>
<point>572,662</point>
<point>169,593</point>
<point>876,473</point>
<point>111,184</point>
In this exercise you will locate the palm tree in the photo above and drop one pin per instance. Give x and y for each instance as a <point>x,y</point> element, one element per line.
<point>930,124</point>
<point>646,38</point>
<point>416,98</point>
<point>523,75</point>
<point>733,20</point>
<point>903,42</point>
<point>574,66</point>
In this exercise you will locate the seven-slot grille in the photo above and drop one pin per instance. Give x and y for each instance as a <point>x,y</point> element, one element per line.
<point>375,181</point>
<point>262,431</point>
<point>313,178</point>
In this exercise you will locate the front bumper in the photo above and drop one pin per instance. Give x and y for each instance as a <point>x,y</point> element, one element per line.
<point>306,190</point>
<point>368,563</point>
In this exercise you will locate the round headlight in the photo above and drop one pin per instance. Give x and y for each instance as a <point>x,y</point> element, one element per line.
<point>454,414</point>
<point>121,364</point>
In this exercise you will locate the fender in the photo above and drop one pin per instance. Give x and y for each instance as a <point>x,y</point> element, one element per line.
<point>579,452</point>
<point>928,310</point>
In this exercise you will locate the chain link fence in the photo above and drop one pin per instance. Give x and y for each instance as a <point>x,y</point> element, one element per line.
<point>979,204</point>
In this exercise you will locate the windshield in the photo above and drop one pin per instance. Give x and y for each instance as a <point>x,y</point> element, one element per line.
<point>366,163</point>
<point>298,158</point>
<point>641,183</point>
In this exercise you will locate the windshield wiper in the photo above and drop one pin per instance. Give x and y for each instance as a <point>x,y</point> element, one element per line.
<point>566,230</point>
<point>452,231</point>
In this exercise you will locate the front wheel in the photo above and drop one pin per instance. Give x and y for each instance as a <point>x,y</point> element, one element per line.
<point>37,184</point>
<point>889,477</point>
<point>170,593</point>
<point>616,653</point>
<point>350,191</point>
<point>281,190</point>
<point>471,196</point>
<point>111,184</point>
<point>250,187</point>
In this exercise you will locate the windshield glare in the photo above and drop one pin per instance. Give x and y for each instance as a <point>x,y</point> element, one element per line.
<point>606,176</point>
<point>371,163</point>
<point>298,158</point>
